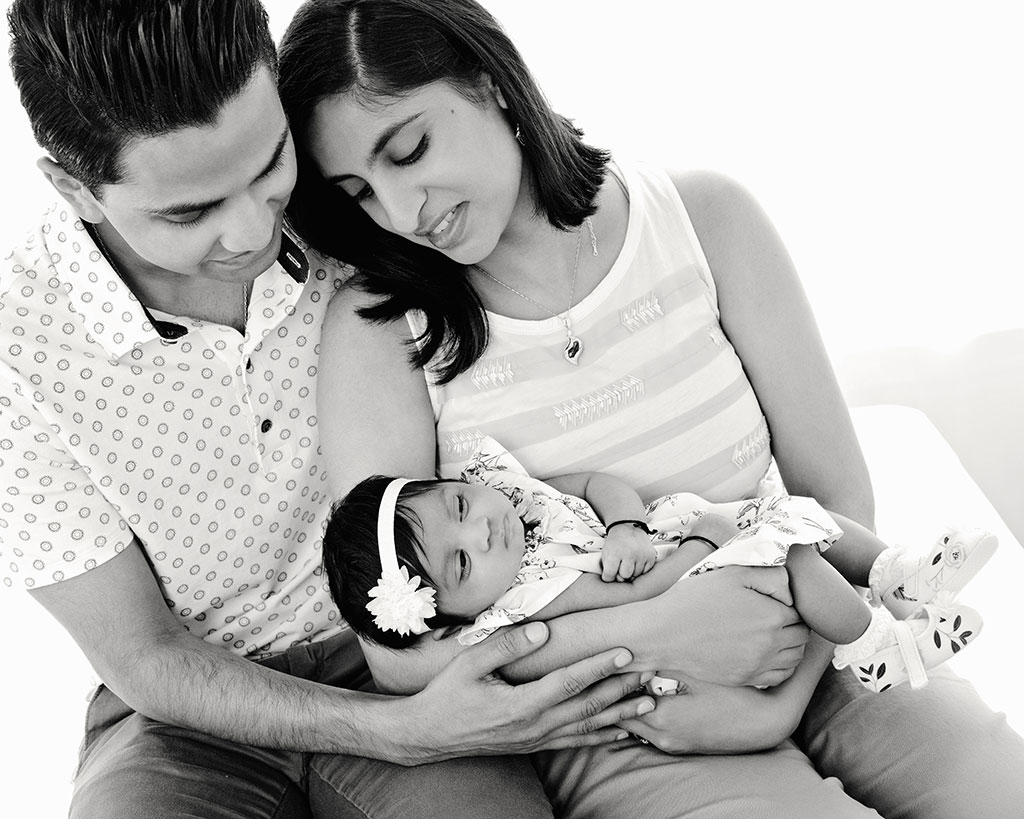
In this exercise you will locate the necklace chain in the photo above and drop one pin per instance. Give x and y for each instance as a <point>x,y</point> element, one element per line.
<point>573,344</point>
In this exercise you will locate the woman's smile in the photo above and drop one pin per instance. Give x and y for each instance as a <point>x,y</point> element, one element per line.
<point>449,230</point>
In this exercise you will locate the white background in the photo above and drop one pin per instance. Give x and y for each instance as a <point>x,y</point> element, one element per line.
<point>883,138</point>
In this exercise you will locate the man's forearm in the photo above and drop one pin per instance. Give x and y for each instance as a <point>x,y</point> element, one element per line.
<point>190,683</point>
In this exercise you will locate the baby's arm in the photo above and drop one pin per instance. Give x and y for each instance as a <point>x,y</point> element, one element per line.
<point>590,592</point>
<point>627,552</point>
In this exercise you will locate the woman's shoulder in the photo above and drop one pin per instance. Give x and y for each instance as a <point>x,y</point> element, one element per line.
<point>347,333</point>
<point>725,216</point>
<point>713,195</point>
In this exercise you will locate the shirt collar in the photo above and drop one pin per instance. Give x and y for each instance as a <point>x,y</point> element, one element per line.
<point>109,309</point>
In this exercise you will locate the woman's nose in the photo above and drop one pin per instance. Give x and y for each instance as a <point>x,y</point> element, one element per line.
<point>401,206</point>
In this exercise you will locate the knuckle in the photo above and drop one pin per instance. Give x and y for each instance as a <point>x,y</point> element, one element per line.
<point>586,726</point>
<point>590,708</point>
<point>506,642</point>
<point>572,684</point>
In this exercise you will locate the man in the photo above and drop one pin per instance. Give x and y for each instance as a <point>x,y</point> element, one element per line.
<point>165,494</point>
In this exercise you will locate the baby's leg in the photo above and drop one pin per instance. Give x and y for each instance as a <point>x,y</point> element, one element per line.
<point>825,599</point>
<point>904,581</point>
<point>881,651</point>
<point>855,552</point>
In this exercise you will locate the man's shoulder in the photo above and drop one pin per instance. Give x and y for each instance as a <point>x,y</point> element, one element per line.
<point>28,255</point>
<point>323,271</point>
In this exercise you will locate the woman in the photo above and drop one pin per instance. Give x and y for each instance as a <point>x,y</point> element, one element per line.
<point>515,283</point>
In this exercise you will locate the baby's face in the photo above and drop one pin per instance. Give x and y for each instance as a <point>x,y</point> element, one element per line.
<point>473,545</point>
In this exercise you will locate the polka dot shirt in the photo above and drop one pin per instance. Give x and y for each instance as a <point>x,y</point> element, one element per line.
<point>204,448</point>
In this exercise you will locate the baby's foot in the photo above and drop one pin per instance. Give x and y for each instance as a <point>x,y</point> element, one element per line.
<point>903,583</point>
<point>893,651</point>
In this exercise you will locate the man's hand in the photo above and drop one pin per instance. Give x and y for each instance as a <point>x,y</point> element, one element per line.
<point>468,710</point>
<point>627,553</point>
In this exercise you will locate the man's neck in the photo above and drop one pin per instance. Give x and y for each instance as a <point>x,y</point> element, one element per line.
<point>172,293</point>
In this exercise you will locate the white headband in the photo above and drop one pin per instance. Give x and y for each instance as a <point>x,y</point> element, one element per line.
<point>396,603</point>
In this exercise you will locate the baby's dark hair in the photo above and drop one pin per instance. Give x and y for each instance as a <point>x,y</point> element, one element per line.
<point>352,559</point>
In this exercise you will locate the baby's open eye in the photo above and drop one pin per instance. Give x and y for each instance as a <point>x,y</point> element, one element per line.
<point>462,507</point>
<point>463,565</point>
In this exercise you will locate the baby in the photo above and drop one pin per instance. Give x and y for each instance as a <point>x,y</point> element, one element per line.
<point>498,547</point>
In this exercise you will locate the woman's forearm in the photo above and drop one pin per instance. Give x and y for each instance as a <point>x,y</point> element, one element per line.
<point>734,626</point>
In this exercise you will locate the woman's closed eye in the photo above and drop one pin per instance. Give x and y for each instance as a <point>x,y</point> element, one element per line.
<point>415,154</point>
<point>365,193</point>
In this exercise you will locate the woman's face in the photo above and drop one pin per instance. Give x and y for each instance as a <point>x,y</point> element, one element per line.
<point>433,166</point>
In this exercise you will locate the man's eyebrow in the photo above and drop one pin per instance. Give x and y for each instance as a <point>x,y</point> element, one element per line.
<point>183,208</point>
<point>379,145</point>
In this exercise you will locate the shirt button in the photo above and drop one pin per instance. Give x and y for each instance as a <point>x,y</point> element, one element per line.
<point>266,425</point>
<point>248,365</point>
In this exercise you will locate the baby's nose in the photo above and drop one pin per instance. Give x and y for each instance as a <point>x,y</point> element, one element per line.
<point>475,535</point>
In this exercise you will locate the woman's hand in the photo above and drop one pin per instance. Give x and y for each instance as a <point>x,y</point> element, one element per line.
<point>468,709</point>
<point>732,626</point>
<point>704,718</point>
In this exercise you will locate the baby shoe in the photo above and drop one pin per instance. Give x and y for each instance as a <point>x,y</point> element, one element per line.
<point>893,651</point>
<point>903,582</point>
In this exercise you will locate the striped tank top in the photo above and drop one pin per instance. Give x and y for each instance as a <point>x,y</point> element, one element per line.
<point>659,397</point>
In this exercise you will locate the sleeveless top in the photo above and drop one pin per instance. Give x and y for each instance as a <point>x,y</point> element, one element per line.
<point>659,397</point>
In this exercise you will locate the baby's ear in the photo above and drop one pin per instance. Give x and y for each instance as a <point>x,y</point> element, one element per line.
<point>444,632</point>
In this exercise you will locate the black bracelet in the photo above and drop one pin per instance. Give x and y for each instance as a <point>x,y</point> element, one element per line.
<point>712,544</point>
<point>639,524</point>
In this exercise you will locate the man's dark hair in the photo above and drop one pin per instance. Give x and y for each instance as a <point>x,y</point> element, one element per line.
<point>387,48</point>
<point>95,74</point>
<point>352,557</point>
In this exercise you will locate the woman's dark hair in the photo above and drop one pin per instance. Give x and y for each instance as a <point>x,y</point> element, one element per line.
<point>388,48</point>
<point>352,559</point>
<point>95,74</point>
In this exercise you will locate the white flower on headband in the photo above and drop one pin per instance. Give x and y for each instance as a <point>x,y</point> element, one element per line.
<point>399,605</point>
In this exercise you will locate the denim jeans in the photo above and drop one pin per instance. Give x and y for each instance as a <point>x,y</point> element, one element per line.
<point>935,753</point>
<point>132,766</point>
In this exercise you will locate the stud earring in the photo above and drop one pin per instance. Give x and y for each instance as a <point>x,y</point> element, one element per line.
<point>519,135</point>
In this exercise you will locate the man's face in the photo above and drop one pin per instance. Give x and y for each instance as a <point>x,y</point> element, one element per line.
<point>208,201</point>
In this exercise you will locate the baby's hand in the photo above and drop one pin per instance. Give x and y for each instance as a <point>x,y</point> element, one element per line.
<point>627,553</point>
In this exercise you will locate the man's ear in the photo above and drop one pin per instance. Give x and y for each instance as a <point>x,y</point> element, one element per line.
<point>77,195</point>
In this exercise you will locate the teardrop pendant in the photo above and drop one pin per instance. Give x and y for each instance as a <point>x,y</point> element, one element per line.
<point>573,349</point>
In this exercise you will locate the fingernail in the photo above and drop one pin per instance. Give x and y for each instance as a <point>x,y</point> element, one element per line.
<point>622,735</point>
<point>535,632</point>
<point>622,659</point>
<point>646,677</point>
<point>644,708</point>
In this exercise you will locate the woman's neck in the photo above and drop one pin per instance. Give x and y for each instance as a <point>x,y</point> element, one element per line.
<point>541,261</point>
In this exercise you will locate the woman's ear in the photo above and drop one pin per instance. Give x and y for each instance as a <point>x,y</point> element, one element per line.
<point>494,91</point>
<point>74,192</point>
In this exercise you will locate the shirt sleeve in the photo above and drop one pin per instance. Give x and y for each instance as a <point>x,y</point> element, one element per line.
<point>55,523</point>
